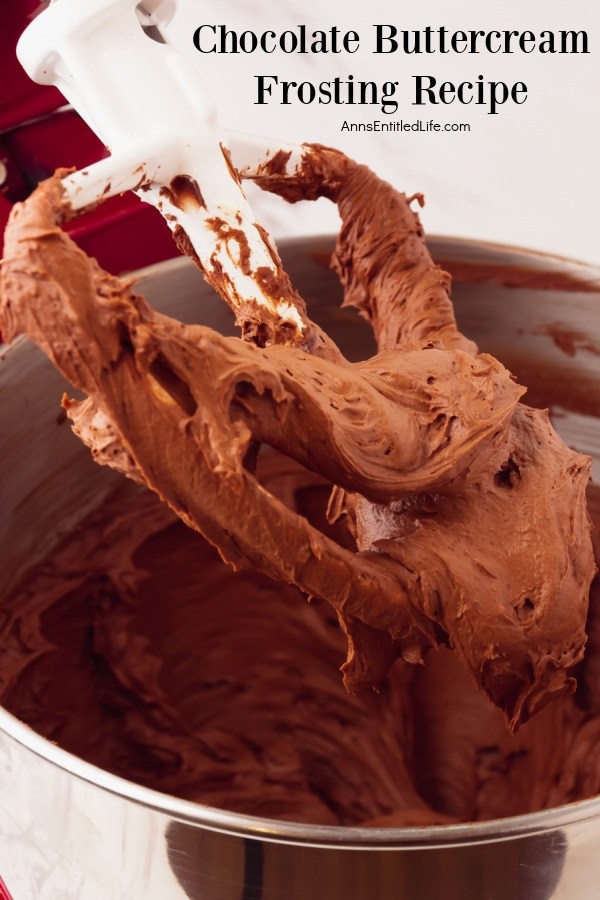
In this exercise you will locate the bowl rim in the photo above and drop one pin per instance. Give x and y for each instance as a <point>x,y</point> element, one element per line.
<point>347,837</point>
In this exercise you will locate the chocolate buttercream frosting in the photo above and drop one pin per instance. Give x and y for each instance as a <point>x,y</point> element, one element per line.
<point>467,510</point>
<point>135,647</point>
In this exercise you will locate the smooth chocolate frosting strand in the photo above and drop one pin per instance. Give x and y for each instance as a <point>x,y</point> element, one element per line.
<point>381,257</point>
<point>180,408</point>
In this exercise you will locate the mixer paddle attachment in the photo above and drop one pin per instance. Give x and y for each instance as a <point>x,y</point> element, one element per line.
<point>148,104</point>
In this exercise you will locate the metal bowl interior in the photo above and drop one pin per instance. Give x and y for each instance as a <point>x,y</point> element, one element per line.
<point>538,314</point>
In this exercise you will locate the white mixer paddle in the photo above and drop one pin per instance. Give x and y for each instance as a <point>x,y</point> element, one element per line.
<point>148,105</point>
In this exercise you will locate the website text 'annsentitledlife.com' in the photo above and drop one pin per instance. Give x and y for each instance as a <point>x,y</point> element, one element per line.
<point>418,125</point>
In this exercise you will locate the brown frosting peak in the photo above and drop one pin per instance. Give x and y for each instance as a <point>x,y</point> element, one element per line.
<point>468,510</point>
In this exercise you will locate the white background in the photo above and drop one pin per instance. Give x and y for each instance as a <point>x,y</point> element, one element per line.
<point>528,176</point>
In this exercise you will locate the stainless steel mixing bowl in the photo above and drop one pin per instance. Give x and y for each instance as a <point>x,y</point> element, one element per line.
<point>69,830</point>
